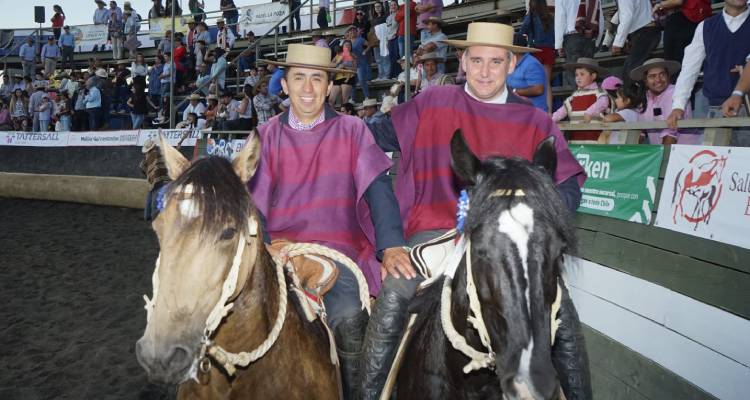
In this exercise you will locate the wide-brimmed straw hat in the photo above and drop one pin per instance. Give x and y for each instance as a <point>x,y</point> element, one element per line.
<point>308,56</point>
<point>430,56</point>
<point>195,96</point>
<point>489,34</point>
<point>585,62</point>
<point>102,73</point>
<point>671,66</point>
<point>148,145</point>
<point>220,21</point>
<point>368,103</point>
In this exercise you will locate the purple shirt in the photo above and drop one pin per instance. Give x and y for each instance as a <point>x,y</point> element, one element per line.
<point>437,11</point>
<point>662,104</point>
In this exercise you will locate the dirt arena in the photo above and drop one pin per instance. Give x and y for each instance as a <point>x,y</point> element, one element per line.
<point>72,278</point>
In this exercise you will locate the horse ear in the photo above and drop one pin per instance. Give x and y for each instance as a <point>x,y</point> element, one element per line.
<point>246,161</point>
<point>465,164</point>
<point>175,161</point>
<point>545,155</point>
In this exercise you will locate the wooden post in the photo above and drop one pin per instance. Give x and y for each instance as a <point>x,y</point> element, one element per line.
<point>717,136</point>
<point>633,136</point>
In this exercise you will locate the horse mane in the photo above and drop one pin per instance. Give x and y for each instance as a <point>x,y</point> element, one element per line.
<point>218,193</point>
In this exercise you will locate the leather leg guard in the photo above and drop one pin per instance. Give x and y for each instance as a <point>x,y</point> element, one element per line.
<point>384,332</point>
<point>569,352</point>
<point>349,335</point>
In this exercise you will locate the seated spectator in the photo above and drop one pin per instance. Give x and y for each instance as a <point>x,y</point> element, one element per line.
<point>201,82</point>
<point>193,121</point>
<point>342,83</point>
<point>427,9</point>
<point>5,121</point>
<point>539,27</point>
<point>227,110</point>
<point>432,41</point>
<point>529,79</point>
<point>265,102</point>
<point>588,102</point>
<point>413,73</point>
<point>19,83</point>
<point>246,59</point>
<point>244,111</point>
<point>195,106</point>
<point>655,74</point>
<point>274,84</point>
<point>348,109</point>
<point>19,114</point>
<point>251,77</point>
<point>629,102</point>
<point>212,111</point>
<point>429,73</point>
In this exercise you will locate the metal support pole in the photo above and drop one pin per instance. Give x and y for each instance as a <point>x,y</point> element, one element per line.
<point>333,15</point>
<point>407,48</point>
<point>172,72</point>
<point>276,42</point>
<point>311,15</point>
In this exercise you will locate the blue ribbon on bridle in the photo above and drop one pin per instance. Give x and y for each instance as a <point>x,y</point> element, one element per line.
<point>462,211</point>
<point>161,202</point>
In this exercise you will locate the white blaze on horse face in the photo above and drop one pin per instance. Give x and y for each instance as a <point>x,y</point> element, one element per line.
<point>188,207</point>
<point>518,224</point>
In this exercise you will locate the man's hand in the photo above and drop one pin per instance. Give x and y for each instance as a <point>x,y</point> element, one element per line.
<point>673,117</point>
<point>396,262</point>
<point>731,106</point>
<point>616,50</point>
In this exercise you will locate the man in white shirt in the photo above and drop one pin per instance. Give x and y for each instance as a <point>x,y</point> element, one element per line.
<point>224,37</point>
<point>242,110</point>
<point>720,44</point>
<point>637,25</point>
<point>579,24</point>
<point>195,106</point>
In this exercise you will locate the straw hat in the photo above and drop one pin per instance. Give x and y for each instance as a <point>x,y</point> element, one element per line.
<point>585,62</point>
<point>637,74</point>
<point>368,103</point>
<point>195,96</point>
<point>220,20</point>
<point>126,5</point>
<point>308,56</point>
<point>489,34</point>
<point>212,97</point>
<point>102,73</point>
<point>100,1</point>
<point>148,145</point>
<point>430,56</point>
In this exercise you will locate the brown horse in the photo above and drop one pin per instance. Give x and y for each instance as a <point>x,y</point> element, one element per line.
<point>208,226</point>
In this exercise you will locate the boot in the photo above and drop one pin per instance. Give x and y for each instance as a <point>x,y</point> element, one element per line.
<point>384,332</point>
<point>349,334</point>
<point>569,352</point>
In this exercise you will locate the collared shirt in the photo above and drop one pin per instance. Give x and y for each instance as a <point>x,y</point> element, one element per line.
<point>225,39</point>
<point>35,100</point>
<point>67,40</point>
<point>167,72</point>
<point>663,103</point>
<point>695,54</point>
<point>138,69</point>
<point>264,106</point>
<point>502,98</point>
<point>274,85</point>
<point>132,24</point>
<point>442,48</point>
<point>434,81</point>
<point>94,98</point>
<point>199,109</point>
<point>165,45</point>
<point>298,125</point>
<point>251,80</point>
<point>634,15</point>
<point>205,36</point>
<point>566,13</point>
<point>50,51</point>
<point>27,52</point>
<point>219,71</point>
<point>232,107</point>
<point>530,72</point>
<point>101,16</point>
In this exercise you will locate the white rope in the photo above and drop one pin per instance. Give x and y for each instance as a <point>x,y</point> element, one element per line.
<point>221,309</point>
<point>476,309</point>
<point>151,303</point>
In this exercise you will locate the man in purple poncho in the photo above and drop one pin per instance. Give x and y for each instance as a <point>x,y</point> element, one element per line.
<point>321,178</point>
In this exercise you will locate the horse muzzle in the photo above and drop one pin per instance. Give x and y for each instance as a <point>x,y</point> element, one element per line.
<point>170,364</point>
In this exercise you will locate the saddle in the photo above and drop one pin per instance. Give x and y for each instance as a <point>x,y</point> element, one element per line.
<point>430,258</point>
<point>316,274</point>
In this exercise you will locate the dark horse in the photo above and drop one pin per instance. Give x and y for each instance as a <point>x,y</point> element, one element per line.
<point>208,233</point>
<point>518,228</point>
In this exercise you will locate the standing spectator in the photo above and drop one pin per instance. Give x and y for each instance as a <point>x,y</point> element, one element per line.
<point>265,102</point>
<point>132,25</point>
<point>93,99</point>
<point>589,101</point>
<point>201,33</point>
<point>197,9</point>
<point>165,45</point>
<point>432,41</point>
<point>429,72</point>
<point>380,29</point>
<point>638,26</point>
<point>392,26</point>
<point>58,20</point>
<point>139,103</point>
<point>44,113</point>
<point>166,76</point>
<point>711,49</point>
<point>27,52</point>
<point>231,14</point>
<point>224,37</point>
<point>122,92</point>
<point>362,23</point>
<point>50,53</point>
<point>342,82</point>
<point>323,7</point>
<point>80,117</point>
<point>35,100</point>
<point>63,112</point>
<point>360,47</point>
<point>219,69</point>
<point>7,88</point>
<point>294,11</point>
<point>154,79</point>
<point>274,85</point>
<point>181,63</point>
<point>19,113</point>
<point>5,121</point>
<point>529,78</point>
<point>106,95</point>
<point>101,14</point>
<point>116,27</point>
<point>247,57</point>
<point>200,54</point>
<point>227,110</point>
<point>204,76</point>
<point>67,43</point>
<point>401,32</point>
<point>192,30</point>
<point>427,9</point>
<point>156,11</point>
<point>168,9</point>
<point>539,27</point>
<point>578,25</point>
<point>679,26</point>
<point>139,71</point>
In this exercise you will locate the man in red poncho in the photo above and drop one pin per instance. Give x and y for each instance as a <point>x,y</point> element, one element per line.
<point>494,122</point>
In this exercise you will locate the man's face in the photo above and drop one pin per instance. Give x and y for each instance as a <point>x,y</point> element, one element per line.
<point>225,100</point>
<point>433,27</point>
<point>487,68</point>
<point>736,3</point>
<point>263,89</point>
<point>261,72</point>
<point>307,89</point>
<point>370,111</point>
<point>657,80</point>
<point>430,68</point>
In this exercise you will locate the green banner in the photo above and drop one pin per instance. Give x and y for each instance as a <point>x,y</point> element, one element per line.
<point>621,180</point>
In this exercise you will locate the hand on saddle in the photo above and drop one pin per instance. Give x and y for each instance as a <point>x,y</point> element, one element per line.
<point>396,262</point>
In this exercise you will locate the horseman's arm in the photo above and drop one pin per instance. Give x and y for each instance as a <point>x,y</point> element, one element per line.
<point>570,192</point>
<point>384,133</point>
<point>386,218</point>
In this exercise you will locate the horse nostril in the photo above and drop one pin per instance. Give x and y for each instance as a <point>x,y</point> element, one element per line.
<point>177,358</point>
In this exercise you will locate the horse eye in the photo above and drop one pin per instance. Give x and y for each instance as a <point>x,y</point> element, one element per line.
<point>227,234</point>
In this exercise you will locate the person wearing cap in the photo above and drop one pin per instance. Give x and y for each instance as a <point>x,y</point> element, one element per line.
<point>195,106</point>
<point>719,45</point>
<point>655,75</point>
<point>579,25</point>
<point>27,53</point>
<point>588,103</point>
<point>529,79</point>
<point>224,36</point>
<point>93,100</point>
<point>432,41</point>
<point>67,44</point>
<point>49,55</point>
<point>429,72</point>
<point>308,189</point>
<point>35,100</point>
<point>494,122</point>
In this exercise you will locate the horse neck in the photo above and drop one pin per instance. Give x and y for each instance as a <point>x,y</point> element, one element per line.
<point>460,299</point>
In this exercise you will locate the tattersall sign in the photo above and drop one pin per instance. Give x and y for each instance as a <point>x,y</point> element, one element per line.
<point>621,180</point>
<point>706,193</point>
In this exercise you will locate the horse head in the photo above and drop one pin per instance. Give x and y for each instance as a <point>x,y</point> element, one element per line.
<point>518,228</point>
<point>209,242</point>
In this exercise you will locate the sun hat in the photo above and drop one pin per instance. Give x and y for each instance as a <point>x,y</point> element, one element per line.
<point>102,73</point>
<point>585,62</point>
<point>195,96</point>
<point>369,103</point>
<point>611,83</point>
<point>308,56</point>
<point>489,34</point>
<point>148,145</point>
<point>430,56</point>
<point>637,74</point>
<point>220,20</point>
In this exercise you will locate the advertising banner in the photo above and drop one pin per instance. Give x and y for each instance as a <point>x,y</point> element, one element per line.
<point>706,193</point>
<point>173,136</point>
<point>34,139</point>
<point>100,139</point>
<point>261,18</point>
<point>621,180</point>
<point>88,36</point>
<point>159,26</point>
<point>224,148</point>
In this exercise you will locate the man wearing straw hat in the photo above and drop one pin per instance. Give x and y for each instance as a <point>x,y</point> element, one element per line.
<point>195,106</point>
<point>322,178</point>
<point>494,122</point>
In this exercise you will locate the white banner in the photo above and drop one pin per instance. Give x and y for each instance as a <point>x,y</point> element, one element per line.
<point>158,27</point>
<point>34,139</point>
<point>88,36</point>
<point>173,136</point>
<point>99,139</point>
<point>262,17</point>
<point>706,193</point>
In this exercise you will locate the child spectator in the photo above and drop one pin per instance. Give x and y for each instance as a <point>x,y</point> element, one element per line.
<point>588,102</point>
<point>629,101</point>
<point>45,113</point>
<point>64,113</point>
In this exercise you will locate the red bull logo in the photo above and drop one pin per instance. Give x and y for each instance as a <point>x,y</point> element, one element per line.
<point>697,188</point>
